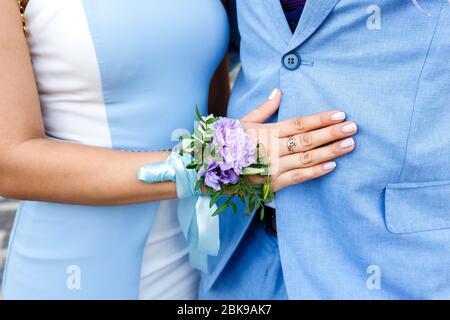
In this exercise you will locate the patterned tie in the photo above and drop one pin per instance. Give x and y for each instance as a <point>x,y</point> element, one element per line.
<point>293,10</point>
<point>290,5</point>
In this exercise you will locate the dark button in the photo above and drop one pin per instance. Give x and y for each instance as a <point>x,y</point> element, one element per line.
<point>291,61</point>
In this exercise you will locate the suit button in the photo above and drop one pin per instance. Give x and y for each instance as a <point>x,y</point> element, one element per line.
<point>291,61</point>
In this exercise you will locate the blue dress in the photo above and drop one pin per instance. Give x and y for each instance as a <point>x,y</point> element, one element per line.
<point>115,74</point>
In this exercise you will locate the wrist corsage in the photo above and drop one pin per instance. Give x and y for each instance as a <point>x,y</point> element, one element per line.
<point>212,169</point>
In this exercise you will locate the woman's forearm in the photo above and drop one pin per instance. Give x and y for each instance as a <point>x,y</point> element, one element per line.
<point>54,171</point>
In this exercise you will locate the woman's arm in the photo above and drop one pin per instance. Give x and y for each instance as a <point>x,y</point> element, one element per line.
<point>32,167</point>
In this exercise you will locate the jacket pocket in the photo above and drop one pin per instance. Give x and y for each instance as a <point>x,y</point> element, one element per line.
<point>416,207</point>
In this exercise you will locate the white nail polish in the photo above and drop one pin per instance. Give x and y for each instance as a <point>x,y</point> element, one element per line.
<point>348,128</point>
<point>338,116</point>
<point>329,166</point>
<point>347,143</point>
<point>273,94</point>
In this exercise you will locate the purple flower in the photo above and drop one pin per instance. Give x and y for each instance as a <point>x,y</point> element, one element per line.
<point>228,176</point>
<point>214,176</point>
<point>235,147</point>
<point>235,151</point>
<point>211,177</point>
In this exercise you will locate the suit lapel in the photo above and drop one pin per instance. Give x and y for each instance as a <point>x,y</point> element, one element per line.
<point>279,19</point>
<point>314,14</point>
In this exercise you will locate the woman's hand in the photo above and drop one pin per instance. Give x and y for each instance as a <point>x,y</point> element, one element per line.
<point>299,149</point>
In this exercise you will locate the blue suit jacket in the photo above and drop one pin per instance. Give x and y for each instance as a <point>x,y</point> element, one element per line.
<point>379,225</point>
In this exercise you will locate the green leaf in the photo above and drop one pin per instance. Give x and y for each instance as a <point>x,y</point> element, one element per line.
<point>210,191</point>
<point>199,116</point>
<point>248,171</point>
<point>212,120</point>
<point>191,166</point>
<point>215,149</point>
<point>234,207</point>
<point>251,203</point>
<point>221,209</point>
<point>233,188</point>
<point>258,204</point>
<point>266,189</point>
<point>241,196</point>
<point>262,213</point>
<point>215,197</point>
<point>199,184</point>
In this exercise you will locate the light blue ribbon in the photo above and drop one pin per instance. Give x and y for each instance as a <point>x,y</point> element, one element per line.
<point>199,227</point>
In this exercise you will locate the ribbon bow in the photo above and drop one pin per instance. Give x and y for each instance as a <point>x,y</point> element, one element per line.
<point>199,227</point>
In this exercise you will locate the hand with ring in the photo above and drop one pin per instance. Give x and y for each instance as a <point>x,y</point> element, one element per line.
<point>299,149</point>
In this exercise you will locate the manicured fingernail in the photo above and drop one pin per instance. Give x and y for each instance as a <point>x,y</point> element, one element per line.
<point>338,116</point>
<point>329,166</point>
<point>273,94</point>
<point>349,128</point>
<point>347,143</point>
